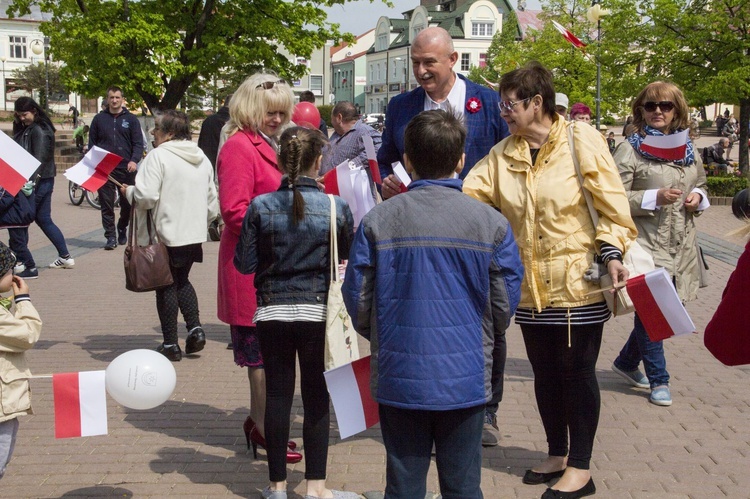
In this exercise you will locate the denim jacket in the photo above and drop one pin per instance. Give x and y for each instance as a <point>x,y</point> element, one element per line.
<point>291,261</point>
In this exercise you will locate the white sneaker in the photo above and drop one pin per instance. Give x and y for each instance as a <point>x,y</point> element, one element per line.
<point>19,268</point>
<point>62,263</point>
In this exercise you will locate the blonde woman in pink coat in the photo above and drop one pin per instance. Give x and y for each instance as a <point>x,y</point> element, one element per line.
<point>246,168</point>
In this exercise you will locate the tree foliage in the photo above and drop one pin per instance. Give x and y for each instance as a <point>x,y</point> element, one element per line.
<point>34,77</point>
<point>701,45</point>
<point>158,48</point>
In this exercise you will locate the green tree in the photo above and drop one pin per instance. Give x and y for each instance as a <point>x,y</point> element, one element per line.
<point>34,77</point>
<point>158,48</point>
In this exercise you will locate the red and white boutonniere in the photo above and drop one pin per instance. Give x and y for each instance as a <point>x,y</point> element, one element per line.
<point>473,105</point>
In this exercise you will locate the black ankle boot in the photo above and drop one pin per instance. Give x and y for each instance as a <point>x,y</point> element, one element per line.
<point>173,352</point>
<point>196,340</point>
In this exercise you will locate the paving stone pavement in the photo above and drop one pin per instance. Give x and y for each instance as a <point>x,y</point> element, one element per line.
<point>193,445</point>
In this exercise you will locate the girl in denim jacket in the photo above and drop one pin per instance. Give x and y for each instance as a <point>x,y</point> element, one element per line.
<point>285,241</point>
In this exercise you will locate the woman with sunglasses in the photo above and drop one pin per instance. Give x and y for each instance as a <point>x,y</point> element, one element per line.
<point>246,168</point>
<point>531,178</point>
<point>665,196</point>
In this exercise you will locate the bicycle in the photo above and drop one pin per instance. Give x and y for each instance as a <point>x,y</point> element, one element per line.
<point>77,194</point>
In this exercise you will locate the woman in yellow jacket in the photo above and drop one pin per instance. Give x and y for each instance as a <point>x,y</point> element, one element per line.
<point>531,178</point>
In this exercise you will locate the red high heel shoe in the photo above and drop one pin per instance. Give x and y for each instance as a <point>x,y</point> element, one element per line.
<point>257,439</point>
<point>248,427</point>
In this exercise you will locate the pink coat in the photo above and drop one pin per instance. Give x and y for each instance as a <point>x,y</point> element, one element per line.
<point>246,168</point>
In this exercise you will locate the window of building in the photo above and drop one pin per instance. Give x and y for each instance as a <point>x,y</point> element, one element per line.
<point>17,47</point>
<point>382,43</point>
<point>482,29</point>
<point>482,60</point>
<point>465,62</point>
<point>316,84</point>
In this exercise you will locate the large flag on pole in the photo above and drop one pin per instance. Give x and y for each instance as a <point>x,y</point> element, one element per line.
<point>349,386</point>
<point>658,306</point>
<point>80,404</point>
<point>568,35</point>
<point>92,171</point>
<point>16,165</point>
<point>668,147</point>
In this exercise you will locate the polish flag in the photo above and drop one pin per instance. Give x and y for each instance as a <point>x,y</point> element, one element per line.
<point>92,171</point>
<point>16,165</point>
<point>669,147</point>
<point>568,35</point>
<point>80,404</point>
<point>349,386</point>
<point>660,309</point>
<point>351,183</point>
<point>372,159</point>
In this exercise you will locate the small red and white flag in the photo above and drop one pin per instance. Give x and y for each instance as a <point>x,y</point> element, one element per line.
<point>351,183</point>
<point>372,159</point>
<point>669,147</point>
<point>80,404</point>
<point>349,386</point>
<point>16,165</point>
<point>658,306</point>
<point>92,171</point>
<point>568,35</point>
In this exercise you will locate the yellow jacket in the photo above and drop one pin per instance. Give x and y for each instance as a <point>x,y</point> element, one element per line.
<point>547,210</point>
<point>19,332</point>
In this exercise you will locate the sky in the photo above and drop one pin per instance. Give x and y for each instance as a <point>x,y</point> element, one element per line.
<point>361,15</point>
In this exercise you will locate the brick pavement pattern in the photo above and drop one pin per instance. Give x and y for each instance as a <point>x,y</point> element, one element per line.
<point>193,445</point>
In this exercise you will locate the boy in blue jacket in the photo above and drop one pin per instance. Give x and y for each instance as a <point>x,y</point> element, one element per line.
<point>433,276</point>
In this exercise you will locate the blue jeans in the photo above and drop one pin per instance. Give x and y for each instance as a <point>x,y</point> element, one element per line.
<point>408,436</point>
<point>639,347</point>
<point>19,237</point>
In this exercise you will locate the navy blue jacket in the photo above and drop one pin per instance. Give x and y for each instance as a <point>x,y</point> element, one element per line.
<point>433,276</point>
<point>484,128</point>
<point>119,134</point>
<point>292,261</point>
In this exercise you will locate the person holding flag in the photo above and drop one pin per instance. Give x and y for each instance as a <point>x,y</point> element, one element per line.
<point>34,131</point>
<point>19,331</point>
<point>530,177</point>
<point>666,187</point>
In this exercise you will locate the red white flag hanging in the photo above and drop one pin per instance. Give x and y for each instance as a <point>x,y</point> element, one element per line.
<point>80,404</point>
<point>669,147</point>
<point>568,35</point>
<point>372,158</point>
<point>92,171</point>
<point>16,165</point>
<point>349,386</point>
<point>351,183</point>
<point>658,306</point>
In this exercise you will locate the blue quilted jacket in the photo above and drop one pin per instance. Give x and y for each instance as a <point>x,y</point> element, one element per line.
<point>432,276</point>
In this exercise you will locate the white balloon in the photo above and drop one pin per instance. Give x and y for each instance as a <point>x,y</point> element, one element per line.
<point>140,379</point>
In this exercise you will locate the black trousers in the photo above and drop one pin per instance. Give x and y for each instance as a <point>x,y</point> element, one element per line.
<point>567,392</point>
<point>499,354</point>
<point>280,344</point>
<point>180,296</point>
<point>107,200</point>
<point>408,436</point>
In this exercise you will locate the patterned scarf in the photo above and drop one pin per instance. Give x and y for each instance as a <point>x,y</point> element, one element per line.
<point>636,140</point>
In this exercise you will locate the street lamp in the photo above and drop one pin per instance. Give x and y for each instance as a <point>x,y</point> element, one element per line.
<point>5,88</point>
<point>46,74</point>
<point>595,14</point>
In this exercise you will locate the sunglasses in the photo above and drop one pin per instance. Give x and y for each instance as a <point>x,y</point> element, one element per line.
<point>665,106</point>
<point>268,85</point>
<point>507,106</point>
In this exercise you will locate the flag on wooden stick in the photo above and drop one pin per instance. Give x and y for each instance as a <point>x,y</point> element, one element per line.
<point>80,404</point>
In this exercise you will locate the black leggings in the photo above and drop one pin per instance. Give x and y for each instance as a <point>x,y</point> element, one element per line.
<point>179,296</point>
<point>280,344</point>
<point>565,385</point>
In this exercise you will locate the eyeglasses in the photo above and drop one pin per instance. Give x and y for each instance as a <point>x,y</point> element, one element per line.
<point>507,106</point>
<point>268,85</point>
<point>665,106</point>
